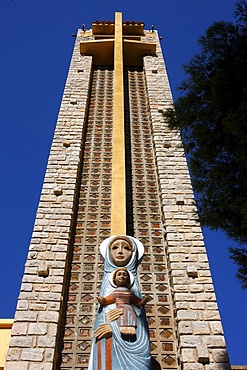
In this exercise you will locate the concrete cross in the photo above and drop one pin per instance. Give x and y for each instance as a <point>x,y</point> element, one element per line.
<point>118,44</point>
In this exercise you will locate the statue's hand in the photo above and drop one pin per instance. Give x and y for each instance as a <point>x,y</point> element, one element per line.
<point>103,331</point>
<point>101,300</point>
<point>145,300</point>
<point>114,314</point>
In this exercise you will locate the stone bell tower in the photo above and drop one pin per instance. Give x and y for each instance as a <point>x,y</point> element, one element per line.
<point>116,168</point>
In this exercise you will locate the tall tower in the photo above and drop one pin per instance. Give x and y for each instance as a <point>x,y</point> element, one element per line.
<point>116,168</point>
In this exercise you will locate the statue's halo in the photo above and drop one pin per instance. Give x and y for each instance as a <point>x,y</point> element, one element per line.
<point>107,242</point>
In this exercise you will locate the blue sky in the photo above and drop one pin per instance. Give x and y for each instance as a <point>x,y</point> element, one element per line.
<point>35,48</point>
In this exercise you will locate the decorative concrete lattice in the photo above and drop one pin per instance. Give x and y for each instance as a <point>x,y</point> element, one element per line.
<point>148,226</point>
<point>92,225</point>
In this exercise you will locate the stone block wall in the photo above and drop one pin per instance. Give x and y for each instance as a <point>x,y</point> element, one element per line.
<point>34,333</point>
<point>201,343</point>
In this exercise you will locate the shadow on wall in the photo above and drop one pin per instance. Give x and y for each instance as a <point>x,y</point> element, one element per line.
<point>155,364</point>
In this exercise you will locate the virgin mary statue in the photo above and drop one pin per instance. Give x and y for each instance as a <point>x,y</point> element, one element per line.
<point>112,350</point>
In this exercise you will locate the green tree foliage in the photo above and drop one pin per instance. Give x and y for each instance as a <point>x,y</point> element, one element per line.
<point>211,113</point>
<point>239,255</point>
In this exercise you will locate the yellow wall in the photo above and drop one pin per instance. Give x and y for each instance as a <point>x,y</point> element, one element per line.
<point>5,333</point>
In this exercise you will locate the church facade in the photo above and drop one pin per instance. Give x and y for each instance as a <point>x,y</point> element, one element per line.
<point>116,168</point>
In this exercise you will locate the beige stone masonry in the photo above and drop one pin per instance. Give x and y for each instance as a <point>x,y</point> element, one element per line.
<point>34,332</point>
<point>201,344</point>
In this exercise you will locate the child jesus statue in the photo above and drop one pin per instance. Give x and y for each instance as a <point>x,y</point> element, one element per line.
<point>124,298</point>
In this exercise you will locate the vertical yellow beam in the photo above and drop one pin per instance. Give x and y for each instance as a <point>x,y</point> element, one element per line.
<point>118,204</point>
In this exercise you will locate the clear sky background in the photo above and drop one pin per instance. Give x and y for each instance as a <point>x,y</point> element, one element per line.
<point>35,48</point>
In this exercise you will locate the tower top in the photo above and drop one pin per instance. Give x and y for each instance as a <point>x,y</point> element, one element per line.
<point>107,28</point>
<point>102,47</point>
